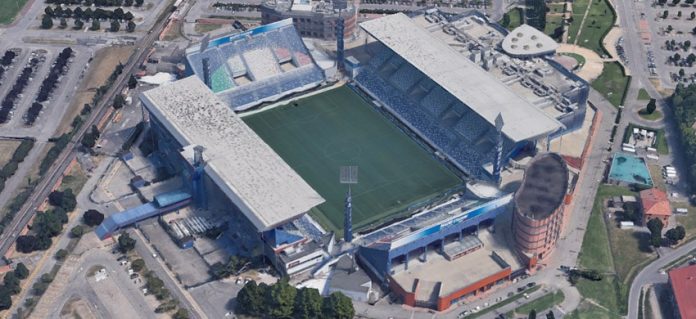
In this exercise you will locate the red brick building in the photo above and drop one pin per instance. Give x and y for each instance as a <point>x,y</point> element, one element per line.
<point>539,207</point>
<point>655,204</point>
<point>683,284</point>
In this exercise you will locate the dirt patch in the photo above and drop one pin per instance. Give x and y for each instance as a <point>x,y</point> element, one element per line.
<point>7,148</point>
<point>101,67</point>
<point>76,308</point>
<point>173,32</point>
<point>665,92</point>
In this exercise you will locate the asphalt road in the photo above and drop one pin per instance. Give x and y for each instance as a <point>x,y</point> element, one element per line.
<point>651,275</point>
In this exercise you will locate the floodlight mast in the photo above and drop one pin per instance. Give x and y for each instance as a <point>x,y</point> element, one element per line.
<point>349,175</point>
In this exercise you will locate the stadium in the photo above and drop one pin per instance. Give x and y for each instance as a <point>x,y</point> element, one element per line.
<point>258,127</point>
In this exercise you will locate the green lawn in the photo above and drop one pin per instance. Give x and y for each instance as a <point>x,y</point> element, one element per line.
<point>619,254</point>
<point>598,22</point>
<point>541,304</point>
<point>10,8</point>
<point>513,17</point>
<point>587,310</point>
<point>502,303</point>
<point>319,134</point>
<point>688,221</point>
<point>643,95</point>
<point>612,83</point>
<point>579,8</point>
<point>660,143</point>
<point>577,57</point>
<point>552,22</point>
<point>656,115</point>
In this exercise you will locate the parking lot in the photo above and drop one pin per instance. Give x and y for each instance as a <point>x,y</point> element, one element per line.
<point>671,55</point>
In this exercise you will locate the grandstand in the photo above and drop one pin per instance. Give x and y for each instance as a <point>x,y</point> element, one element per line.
<point>448,100</point>
<point>249,173</point>
<point>261,65</point>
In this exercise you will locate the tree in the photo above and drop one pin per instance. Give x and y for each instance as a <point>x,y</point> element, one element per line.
<point>675,2</point>
<point>138,265</point>
<point>65,199</point>
<point>92,217</point>
<point>655,226</point>
<point>281,299</point>
<point>21,271</point>
<point>115,26</point>
<point>5,298</point>
<point>550,315</point>
<point>26,243</point>
<point>127,3</point>
<point>95,25</point>
<point>676,58</point>
<point>63,23</point>
<point>669,28</point>
<point>61,254</point>
<point>138,3</point>
<point>132,82</point>
<point>338,306</point>
<point>687,45</point>
<point>128,16</point>
<point>679,14</point>
<point>535,14</point>
<point>46,22</point>
<point>692,15</point>
<point>119,101</point>
<point>130,26</point>
<point>308,304</point>
<point>682,73</point>
<point>182,313</point>
<point>125,243</point>
<point>49,12</point>
<point>650,108</point>
<point>676,234</point>
<point>665,14</point>
<point>77,231</point>
<point>532,314</point>
<point>78,24</point>
<point>250,299</point>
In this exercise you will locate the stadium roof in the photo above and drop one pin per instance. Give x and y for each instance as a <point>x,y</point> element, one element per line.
<point>468,82</point>
<point>250,173</point>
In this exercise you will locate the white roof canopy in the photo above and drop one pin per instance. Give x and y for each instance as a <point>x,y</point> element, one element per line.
<point>465,80</point>
<point>250,173</point>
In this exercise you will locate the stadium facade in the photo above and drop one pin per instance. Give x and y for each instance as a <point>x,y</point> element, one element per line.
<point>539,207</point>
<point>260,65</point>
<point>313,19</point>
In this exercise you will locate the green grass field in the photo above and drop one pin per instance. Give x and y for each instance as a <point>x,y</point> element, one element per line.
<point>338,127</point>
<point>598,22</point>
<point>512,19</point>
<point>10,8</point>
<point>612,83</point>
<point>643,95</point>
<point>619,254</point>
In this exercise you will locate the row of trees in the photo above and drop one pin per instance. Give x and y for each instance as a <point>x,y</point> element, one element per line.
<point>672,236</point>
<point>535,14</point>
<point>17,157</point>
<point>48,224</point>
<point>48,85</point>
<point>11,98</point>
<point>99,3</point>
<point>6,60</point>
<point>90,138</point>
<point>89,14</point>
<point>673,45</point>
<point>675,2</point>
<point>11,285</point>
<point>590,274</point>
<point>683,102</point>
<point>281,300</point>
<point>233,266</point>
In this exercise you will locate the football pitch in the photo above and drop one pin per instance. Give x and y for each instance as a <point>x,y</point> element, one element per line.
<point>319,134</point>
